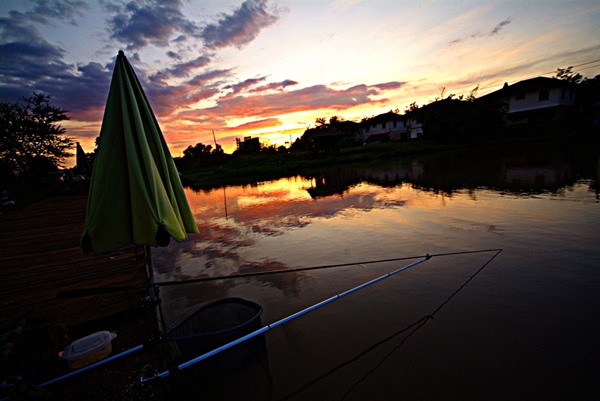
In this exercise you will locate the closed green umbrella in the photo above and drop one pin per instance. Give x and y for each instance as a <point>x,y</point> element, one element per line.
<point>135,196</point>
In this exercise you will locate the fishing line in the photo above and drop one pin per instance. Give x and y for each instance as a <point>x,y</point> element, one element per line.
<point>101,290</point>
<point>420,323</point>
<point>415,326</point>
<point>286,319</point>
<point>425,319</point>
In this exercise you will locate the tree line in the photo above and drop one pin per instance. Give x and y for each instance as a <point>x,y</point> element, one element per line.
<point>32,141</point>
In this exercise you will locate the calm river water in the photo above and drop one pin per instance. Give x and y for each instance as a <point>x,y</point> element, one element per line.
<point>522,325</point>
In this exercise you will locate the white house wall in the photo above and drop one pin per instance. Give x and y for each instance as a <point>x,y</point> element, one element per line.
<point>407,129</point>
<point>415,129</point>
<point>531,101</point>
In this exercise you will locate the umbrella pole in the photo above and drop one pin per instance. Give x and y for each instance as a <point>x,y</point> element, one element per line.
<point>162,353</point>
<point>154,295</point>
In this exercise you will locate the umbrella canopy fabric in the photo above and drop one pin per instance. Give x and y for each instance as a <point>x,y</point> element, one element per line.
<point>135,195</point>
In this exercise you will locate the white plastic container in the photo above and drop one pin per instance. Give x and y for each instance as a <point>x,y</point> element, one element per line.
<point>89,349</point>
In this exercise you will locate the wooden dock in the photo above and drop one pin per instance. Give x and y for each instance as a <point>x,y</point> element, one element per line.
<point>40,256</point>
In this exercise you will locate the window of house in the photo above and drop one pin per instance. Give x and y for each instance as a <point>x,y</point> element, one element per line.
<point>394,124</point>
<point>563,93</point>
<point>383,125</point>
<point>544,95</point>
<point>520,96</point>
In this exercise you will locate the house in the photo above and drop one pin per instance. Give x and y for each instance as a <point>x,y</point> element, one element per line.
<point>389,126</point>
<point>325,140</point>
<point>538,100</point>
<point>248,145</point>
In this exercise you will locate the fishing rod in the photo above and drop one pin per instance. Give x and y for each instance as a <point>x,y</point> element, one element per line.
<point>293,316</point>
<point>84,292</point>
<point>286,319</point>
<point>94,365</point>
<point>235,342</point>
<point>413,327</point>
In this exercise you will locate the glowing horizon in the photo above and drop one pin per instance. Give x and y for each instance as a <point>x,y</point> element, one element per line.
<point>268,69</point>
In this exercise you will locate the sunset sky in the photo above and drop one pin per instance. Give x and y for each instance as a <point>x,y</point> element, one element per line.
<point>270,68</point>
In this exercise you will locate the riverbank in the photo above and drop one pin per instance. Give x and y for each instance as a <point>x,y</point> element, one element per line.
<point>250,169</point>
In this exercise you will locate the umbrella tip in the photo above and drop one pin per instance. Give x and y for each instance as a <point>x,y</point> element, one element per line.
<point>121,53</point>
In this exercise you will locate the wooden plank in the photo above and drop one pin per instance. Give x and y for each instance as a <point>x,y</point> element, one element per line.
<point>40,256</point>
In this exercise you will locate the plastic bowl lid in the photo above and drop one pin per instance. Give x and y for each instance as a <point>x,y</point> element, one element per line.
<point>88,344</point>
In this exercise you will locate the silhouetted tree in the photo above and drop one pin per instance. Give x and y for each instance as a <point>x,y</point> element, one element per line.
<point>453,119</point>
<point>410,108</point>
<point>198,151</point>
<point>567,74</point>
<point>321,123</point>
<point>201,154</point>
<point>588,100</point>
<point>30,138</point>
<point>335,121</point>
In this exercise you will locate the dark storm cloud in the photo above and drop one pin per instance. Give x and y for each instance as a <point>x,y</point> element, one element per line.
<point>275,86</point>
<point>244,85</point>
<point>18,28</point>
<point>166,99</point>
<point>314,97</point>
<point>64,10</point>
<point>389,85</point>
<point>26,57</point>
<point>476,35</point>
<point>141,23</point>
<point>181,69</point>
<point>209,76</point>
<point>251,86</point>
<point>31,64</point>
<point>173,55</point>
<point>498,27</point>
<point>240,27</point>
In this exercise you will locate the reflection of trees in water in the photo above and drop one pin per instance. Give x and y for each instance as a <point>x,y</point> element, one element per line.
<point>339,180</point>
<point>536,168</point>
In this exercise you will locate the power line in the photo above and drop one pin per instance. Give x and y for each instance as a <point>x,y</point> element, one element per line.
<point>542,74</point>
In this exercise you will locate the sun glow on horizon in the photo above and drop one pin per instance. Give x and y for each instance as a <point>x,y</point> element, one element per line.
<point>269,69</point>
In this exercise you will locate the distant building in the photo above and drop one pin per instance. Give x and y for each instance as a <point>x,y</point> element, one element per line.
<point>389,126</point>
<point>538,101</point>
<point>248,145</point>
<point>326,140</point>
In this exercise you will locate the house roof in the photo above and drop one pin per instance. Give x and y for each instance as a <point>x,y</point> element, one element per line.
<point>529,85</point>
<point>385,117</point>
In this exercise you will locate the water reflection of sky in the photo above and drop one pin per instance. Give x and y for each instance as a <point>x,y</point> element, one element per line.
<point>277,225</point>
<point>539,294</point>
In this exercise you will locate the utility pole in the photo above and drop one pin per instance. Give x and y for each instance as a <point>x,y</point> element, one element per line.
<point>215,139</point>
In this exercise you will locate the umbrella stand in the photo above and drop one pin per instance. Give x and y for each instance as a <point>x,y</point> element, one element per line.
<point>161,348</point>
<point>159,326</point>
